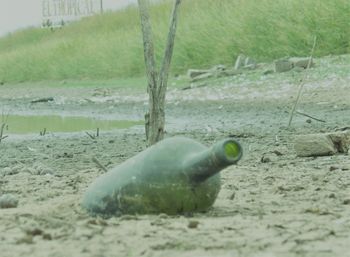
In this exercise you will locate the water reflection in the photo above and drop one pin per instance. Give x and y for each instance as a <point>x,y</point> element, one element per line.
<point>19,124</point>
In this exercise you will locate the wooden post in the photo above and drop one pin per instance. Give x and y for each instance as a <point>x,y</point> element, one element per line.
<point>101,6</point>
<point>157,84</point>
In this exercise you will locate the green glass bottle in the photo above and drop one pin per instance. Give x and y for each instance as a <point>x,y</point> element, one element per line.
<point>176,175</point>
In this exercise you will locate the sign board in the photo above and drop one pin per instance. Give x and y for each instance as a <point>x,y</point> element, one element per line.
<point>56,13</point>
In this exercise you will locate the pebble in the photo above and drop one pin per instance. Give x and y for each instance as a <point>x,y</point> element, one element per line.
<point>193,224</point>
<point>6,171</point>
<point>346,202</point>
<point>33,229</point>
<point>8,201</point>
<point>27,239</point>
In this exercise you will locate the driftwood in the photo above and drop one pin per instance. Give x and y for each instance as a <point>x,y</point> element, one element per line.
<point>42,100</point>
<point>157,84</point>
<point>217,71</point>
<point>93,136</point>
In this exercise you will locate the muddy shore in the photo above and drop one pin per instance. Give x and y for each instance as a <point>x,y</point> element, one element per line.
<point>271,204</point>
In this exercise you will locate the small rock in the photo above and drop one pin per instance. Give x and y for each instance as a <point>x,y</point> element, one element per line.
<point>308,121</point>
<point>64,155</point>
<point>301,62</point>
<point>331,195</point>
<point>47,236</point>
<point>6,171</point>
<point>313,145</point>
<point>33,230</point>
<point>283,65</point>
<point>27,239</point>
<point>267,72</point>
<point>163,216</point>
<point>278,153</point>
<point>265,159</point>
<point>159,222</point>
<point>193,224</point>
<point>298,69</point>
<point>322,144</point>
<point>346,202</point>
<point>101,92</point>
<point>341,140</point>
<point>98,222</point>
<point>8,201</point>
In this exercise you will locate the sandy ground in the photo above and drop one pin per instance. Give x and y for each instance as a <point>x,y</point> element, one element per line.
<point>271,204</point>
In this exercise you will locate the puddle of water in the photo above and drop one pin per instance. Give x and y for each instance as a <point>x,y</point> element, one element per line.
<point>19,124</point>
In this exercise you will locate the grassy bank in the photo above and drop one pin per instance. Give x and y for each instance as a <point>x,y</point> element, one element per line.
<point>210,32</point>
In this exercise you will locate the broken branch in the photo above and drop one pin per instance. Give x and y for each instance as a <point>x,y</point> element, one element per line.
<point>309,116</point>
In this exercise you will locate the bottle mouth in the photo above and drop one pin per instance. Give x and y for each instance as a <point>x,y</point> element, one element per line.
<point>232,150</point>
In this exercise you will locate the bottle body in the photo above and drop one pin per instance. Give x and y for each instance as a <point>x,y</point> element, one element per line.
<point>165,178</point>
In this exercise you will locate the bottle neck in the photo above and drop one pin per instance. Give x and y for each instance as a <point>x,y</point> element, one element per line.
<point>209,162</point>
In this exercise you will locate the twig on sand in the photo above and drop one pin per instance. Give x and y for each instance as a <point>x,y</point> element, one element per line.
<point>94,159</point>
<point>2,138</point>
<point>43,132</point>
<point>42,100</point>
<point>92,136</point>
<point>302,81</point>
<point>309,116</point>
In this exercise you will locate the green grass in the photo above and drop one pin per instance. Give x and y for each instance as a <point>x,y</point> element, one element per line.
<point>210,32</point>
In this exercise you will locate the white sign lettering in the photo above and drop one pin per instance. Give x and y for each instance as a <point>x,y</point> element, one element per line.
<point>58,12</point>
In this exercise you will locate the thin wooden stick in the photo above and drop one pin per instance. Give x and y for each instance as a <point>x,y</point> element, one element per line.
<point>309,116</point>
<point>302,81</point>
<point>91,136</point>
<point>164,70</point>
<point>2,138</point>
<point>95,160</point>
